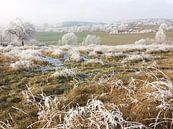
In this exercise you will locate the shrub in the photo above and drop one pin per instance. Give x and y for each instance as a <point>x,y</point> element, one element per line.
<point>69,39</point>
<point>160,36</point>
<point>91,39</point>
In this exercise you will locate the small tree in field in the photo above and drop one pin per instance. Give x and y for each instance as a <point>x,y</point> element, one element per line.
<point>163,26</point>
<point>69,39</point>
<point>160,36</point>
<point>91,39</point>
<point>21,31</point>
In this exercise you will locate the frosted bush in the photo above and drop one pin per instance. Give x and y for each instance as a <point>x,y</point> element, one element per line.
<point>141,42</point>
<point>163,27</point>
<point>65,47</point>
<point>28,54</point>
<point>65,73</point>
<point>99,49</point>
<point>75,56</point>
<point>114,54</point>
<point>25,58</point>
<point>91,39</point>
<point>33,56</point>
<point>122,26</point>
<point>21,64</point>
<point>92,53</point>
<point>133,58</point>
<point>137,58</point>
<point>96,51</point>
<point>160,48</point>
<point>160,36</point>
<point>69,39</point>
<point>131,48</point>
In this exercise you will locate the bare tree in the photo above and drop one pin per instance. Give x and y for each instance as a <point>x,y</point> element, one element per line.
<point>22,31</point>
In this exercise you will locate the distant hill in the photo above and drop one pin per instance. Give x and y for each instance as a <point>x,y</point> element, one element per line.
<point>149,21</point>
<point>77,23</point>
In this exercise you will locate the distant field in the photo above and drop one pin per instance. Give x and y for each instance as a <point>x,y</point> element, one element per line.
<point>105,37</point>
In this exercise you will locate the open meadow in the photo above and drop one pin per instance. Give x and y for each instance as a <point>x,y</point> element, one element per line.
<point>86,87</point>
<point>86,64</point>
<point>106,38</point>
<point>86,80</point>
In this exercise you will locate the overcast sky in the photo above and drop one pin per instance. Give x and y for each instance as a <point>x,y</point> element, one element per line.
<point>54,11</point>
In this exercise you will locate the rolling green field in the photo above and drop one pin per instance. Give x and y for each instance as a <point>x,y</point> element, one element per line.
<point>105,37</point>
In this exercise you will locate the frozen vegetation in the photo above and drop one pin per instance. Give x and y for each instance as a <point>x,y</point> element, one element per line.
<point>121,27</point>
<point>88,85</point>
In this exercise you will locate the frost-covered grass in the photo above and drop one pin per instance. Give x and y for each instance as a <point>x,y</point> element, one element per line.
<point>65,73</point>
<point>94,86</point>
<point>58,53</point>
<point>95,114</point>
<point>21,64</point>
<point>137,58</point>
<point>94,61</point>
<point>75,56</point>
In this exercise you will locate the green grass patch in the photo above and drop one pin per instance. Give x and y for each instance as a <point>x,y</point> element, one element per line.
<point>107,39</point>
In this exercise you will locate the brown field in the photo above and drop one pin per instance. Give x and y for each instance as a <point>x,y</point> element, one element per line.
<point>93,81</point>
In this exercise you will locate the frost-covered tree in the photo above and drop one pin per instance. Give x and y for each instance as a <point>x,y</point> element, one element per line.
<point>163,26</point>
<point>20,31</point>
<point>5,39</point>
<point>2,38</point>
<point>91,39</point>
<point>160,36</point>
<point>70,39</point>
<point>122,27</point>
